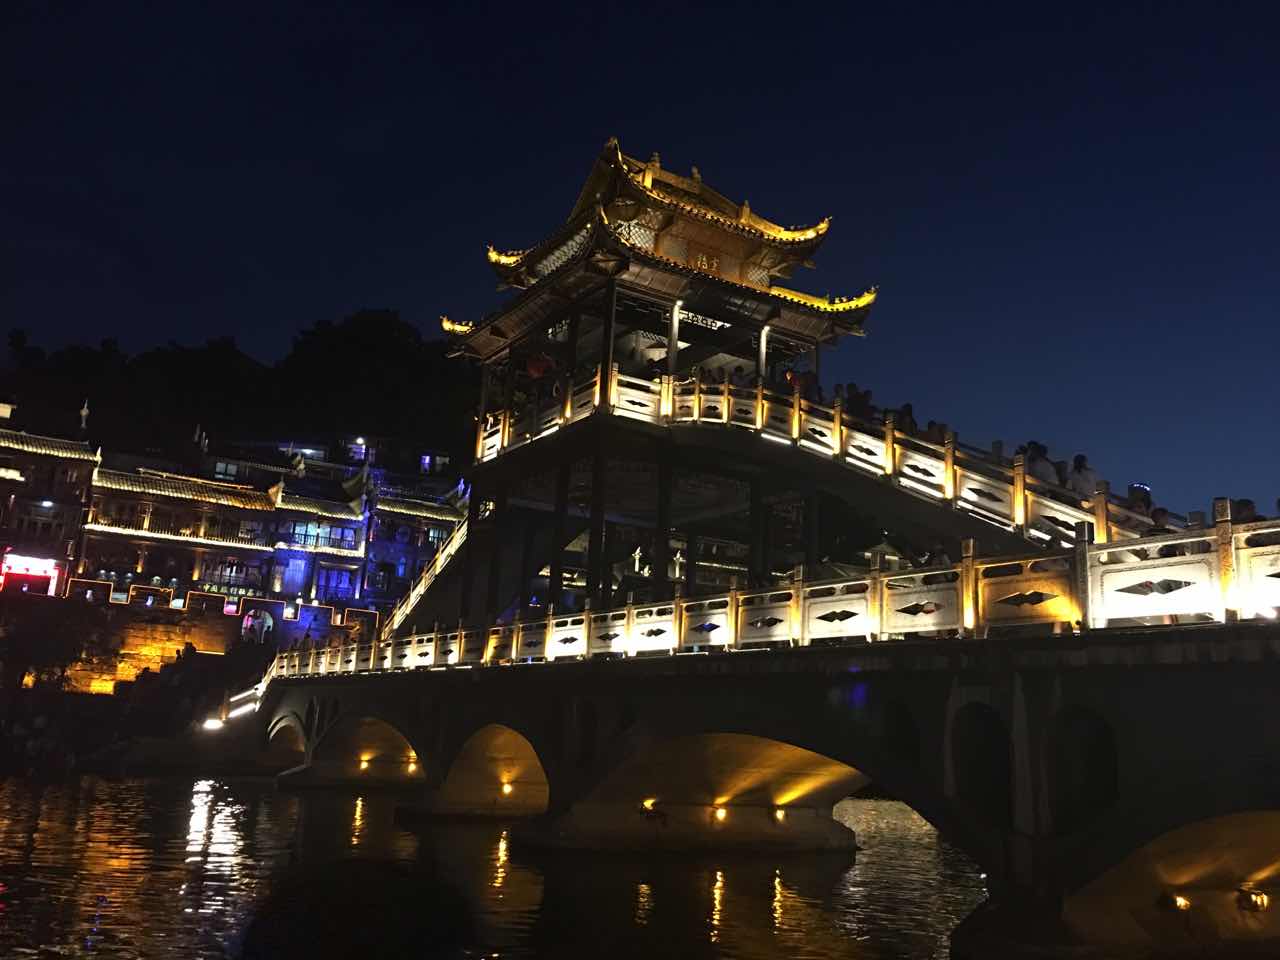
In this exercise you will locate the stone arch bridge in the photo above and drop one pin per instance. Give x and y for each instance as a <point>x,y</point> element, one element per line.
<point>1113,777</point>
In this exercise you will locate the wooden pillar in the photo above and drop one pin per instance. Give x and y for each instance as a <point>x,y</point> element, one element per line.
<point>692,548</point>
<point>468,558</point>
<point>482,412</point>
<point>497,529</point>
<point>1100,503</point>
<point>559,523</point>
<point>662,527</point>
<point>527,570</point>
<point>508,399</point>
<point>758,522</point>
<point>673,338</point>
<point>812,533</point>
<point>570,361</point>
<point>606,337</point>
<point>595,534</point>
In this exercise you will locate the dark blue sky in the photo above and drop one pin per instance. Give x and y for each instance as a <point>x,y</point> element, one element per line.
<point>1071,214</point>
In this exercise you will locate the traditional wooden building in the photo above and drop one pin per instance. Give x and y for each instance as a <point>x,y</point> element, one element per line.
<point>44,490</point>
<point>658,302</point>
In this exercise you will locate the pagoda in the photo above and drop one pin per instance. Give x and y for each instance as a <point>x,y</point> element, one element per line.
<point>659,302</point>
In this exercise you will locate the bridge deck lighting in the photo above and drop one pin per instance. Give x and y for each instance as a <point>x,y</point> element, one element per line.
<point>1253,901</point>
<point>506,789</point>
<point>721,813</point>
<point>213,723</point>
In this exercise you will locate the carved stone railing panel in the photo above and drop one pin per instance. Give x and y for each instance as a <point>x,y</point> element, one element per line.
<point>608,634</point>
<point>764,619</point>
<point>928,602</point>
<point>1138,583</point>
<point>653,629</point>
<point>707,622</point>
<point>568,637</point>
<point>838,610</point>
<point>1039,590</point>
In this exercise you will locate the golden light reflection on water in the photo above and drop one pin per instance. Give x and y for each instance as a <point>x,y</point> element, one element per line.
<point>644,903</point>
<point>500,861</point>
<point>717,905</point>
<point>169,869</point>
<point>357,822</point>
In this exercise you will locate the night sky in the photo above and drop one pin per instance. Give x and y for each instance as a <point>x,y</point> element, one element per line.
<point>1071,215</point>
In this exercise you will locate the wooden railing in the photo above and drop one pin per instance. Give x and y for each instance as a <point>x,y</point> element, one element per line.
<point>1219,574</point>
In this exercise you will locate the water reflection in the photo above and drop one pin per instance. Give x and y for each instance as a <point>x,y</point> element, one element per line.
<point>172,869</point>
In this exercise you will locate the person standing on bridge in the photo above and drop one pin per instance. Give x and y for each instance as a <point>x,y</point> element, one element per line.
<point>1038,463</point>
<point>1082,479</point>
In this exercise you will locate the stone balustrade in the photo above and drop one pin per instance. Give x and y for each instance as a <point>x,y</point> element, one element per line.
<point>1224,573</point>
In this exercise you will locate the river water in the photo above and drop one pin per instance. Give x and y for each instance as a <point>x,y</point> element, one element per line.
<point>186,869</point>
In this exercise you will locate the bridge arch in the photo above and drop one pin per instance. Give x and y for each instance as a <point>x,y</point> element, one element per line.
<point>1215,865</point>
<point>287,741</point>
<point>1082,768</point>
<point>496,770</point>
<point>362,747</point>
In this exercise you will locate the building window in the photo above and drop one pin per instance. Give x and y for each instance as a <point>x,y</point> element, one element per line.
<point>436,535</point>
<point>402,567</point>
<point>226,471</point>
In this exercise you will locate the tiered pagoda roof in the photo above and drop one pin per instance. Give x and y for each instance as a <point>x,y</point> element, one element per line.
<point>672,235</point>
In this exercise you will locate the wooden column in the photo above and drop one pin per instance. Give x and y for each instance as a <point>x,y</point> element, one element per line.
<point>758,522</point>
<point>559,523</point>
<point>595,534</point>
<point>497,529</point>
<point>527,569</point>
<point>812,533</point>
<point>662,527</point>
<point>606,337</point>
<point>692,548</point>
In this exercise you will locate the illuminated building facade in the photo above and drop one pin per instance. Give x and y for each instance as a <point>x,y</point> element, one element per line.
<point>284,528</point>
<point>44,490</point>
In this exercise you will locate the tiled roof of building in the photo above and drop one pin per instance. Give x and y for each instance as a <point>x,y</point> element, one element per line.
<point>323,508</point>
<point>181,487</point>
<point>419,508</point>
<point>48,446</point>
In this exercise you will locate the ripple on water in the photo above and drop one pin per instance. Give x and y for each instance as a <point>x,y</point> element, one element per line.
<point>169,868</point>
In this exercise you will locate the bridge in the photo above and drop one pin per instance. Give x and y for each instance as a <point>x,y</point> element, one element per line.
<point>666,622</point>
<point>1092,726</point>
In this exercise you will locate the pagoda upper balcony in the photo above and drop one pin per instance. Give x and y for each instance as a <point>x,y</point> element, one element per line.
<point>980,482</point>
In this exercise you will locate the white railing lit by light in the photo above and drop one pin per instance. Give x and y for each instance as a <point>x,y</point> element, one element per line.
<point>978,482</point>
<point>1219,574</point>
<point>438,562</point>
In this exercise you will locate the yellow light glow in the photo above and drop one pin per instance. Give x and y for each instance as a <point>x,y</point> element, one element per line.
<point>364,763</point>
<point>1255,901</point>
<point>506,789</point>
<point>455,326</point>
<point>780,814</point>
<point>648,802</point>
<point>507,258</point>
<point>826,304</point>
<point>1180,902</point>
<point>721,814</point>
<point>413,765</point>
